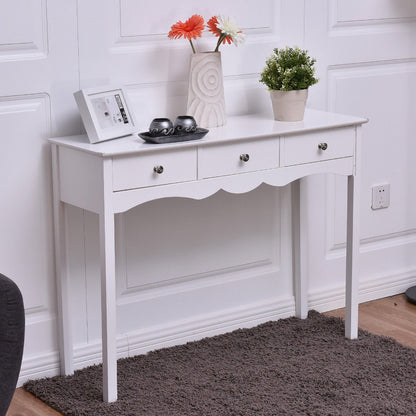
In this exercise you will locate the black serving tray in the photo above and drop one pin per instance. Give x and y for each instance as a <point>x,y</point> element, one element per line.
<point>176,137</point>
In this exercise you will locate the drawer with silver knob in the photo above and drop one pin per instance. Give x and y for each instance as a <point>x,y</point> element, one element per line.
<point>238,157</point>
<point>154,168</point>
<point>318,146</point>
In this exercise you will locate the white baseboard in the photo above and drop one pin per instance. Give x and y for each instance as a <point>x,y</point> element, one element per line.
<point>375,288</point>
<point>140,342</point>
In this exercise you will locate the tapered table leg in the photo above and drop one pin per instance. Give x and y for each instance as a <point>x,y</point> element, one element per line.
<point>108,306</point>
<point>353,251</point>
<point>62,282</point>
<point>299,233</point>
<point>108,288</point>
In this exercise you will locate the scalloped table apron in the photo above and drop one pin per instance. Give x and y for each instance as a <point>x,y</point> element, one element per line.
<point>206,90</point>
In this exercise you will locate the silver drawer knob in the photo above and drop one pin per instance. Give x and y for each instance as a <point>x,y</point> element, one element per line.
<point>158,169</point>
<point>244,157</point>
<point>323,146</point>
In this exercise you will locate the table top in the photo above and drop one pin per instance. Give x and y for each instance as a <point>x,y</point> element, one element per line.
<point>237,128</point>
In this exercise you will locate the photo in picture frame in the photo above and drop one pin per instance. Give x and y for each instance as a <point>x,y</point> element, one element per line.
<point>105,112</point>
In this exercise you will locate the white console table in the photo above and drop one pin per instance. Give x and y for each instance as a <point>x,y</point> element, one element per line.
<point>114,176</point>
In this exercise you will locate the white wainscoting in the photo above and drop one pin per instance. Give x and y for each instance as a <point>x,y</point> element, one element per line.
<point>26,231</point>
<point>23,35</point>
<point>39,72</point>
<point>175,282</point>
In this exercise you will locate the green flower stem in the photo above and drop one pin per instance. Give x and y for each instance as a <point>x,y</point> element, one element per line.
<point>192,45</point>
<point>221,38</point>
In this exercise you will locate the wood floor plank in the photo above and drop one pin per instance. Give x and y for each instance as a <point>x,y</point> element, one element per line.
<point>25,404</point>
<point>392,316</point>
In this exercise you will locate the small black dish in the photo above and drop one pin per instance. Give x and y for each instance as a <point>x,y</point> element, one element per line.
<point>176,137</point>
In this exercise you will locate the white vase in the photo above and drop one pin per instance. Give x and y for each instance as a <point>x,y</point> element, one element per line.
<point>206,90</point>
<point>289,105</point>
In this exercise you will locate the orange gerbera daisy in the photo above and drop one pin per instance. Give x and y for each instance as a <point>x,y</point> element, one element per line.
<point>212,27</point>
<point>191,29</point>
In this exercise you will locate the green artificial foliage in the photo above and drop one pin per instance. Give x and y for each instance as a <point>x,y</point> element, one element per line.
<point>289,69</point>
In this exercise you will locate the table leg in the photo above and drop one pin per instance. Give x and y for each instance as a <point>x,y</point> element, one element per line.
<point>108,305</point>
<point>353,251</point>
<point>299,236</point>
<point>62,280</point>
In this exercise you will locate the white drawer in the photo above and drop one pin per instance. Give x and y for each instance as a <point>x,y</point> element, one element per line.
<point>227,159</point>
<point>310,147</point>
<point>138,171</point>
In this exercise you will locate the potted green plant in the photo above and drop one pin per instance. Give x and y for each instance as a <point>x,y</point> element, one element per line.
<point>288,74</point>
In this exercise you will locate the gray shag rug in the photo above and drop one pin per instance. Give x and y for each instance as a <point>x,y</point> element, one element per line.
<point>287,367</point>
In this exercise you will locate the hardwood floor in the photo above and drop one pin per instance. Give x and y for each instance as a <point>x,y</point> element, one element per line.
<point>25,404</point>
<point>391,316</point>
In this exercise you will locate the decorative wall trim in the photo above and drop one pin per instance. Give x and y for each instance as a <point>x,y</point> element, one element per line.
<point>129,297</point>
<point>336,249</point>
<point>242,96</point>
<point>195,281</point>
<point>20,104</point>
<point>29,49</point>
<point>160,83</point>
<point>38,366</point>
<point>340,26</point>
<point>361,69</point>
<point>37,108</point>
<point>376,243</point>
<point>267,31</point>
<point>139,342</point>
<point>210,325</point>
<point>210,278</point>
<point>27,102</point>
<point>376,288</point>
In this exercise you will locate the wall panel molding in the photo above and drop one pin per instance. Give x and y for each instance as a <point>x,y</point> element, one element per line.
<point>173,333</point>
<point>370,16</point>
<point>26,121</point>
<point>242,96</point>
<point>142,341</point>
<point>215,267</point>
<point>24,36</point>
<point>216,278</point>
<point>131,26</point>
<point>369,68</point>
<point>124,42</point>
<point>377,243</point>
<point>392,76</point>
<point>375,288</point>
<point>139,40</point>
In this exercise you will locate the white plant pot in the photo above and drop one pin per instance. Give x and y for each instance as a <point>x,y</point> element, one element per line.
<point>289,105</point>
<point>206,90</point>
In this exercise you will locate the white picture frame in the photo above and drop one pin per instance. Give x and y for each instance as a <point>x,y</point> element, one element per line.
<point>105,112</point>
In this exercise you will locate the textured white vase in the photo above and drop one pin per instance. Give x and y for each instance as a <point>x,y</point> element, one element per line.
<point>206,90</point>
<point>289,105</point>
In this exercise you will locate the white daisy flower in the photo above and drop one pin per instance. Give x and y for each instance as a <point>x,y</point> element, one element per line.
<point>229,30</point>
<point>227,25</point>
<point>239,38</point>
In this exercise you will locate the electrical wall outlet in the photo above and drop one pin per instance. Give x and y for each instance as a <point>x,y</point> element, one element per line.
<point>381,196</point>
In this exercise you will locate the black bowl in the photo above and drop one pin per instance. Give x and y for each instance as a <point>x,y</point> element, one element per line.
<point>185,124</point>
<point>161,127</point>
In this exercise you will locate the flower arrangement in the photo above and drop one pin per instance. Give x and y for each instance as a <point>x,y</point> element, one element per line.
<point>225,28</point>
<point>289,69</point>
